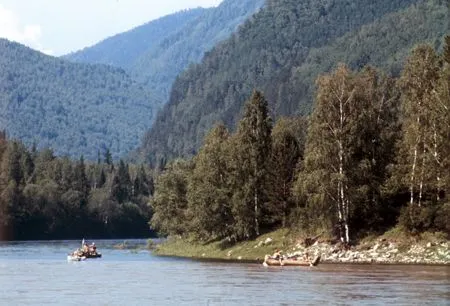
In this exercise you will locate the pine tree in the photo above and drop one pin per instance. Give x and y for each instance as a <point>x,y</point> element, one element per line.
<point>252,147</point>
<point>101,179</point>
<point>108,158</point>
<point>80,181</point>
<point>141,183</point>
<point>121,188</point>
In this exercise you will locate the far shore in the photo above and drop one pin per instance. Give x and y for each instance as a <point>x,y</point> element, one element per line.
<point>391,248</point>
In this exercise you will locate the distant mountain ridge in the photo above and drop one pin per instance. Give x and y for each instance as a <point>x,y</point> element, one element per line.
<point>281,51</point>
<point>122,50</point>
<point>75,109</point>
<point>155,53</point>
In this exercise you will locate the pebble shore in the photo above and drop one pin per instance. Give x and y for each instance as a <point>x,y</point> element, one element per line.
<point>382,252</point>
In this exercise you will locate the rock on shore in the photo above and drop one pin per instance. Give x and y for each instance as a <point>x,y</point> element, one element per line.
<point>382,252</point>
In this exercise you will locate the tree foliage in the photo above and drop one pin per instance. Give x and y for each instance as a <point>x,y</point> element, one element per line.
<point>45,197</point>
<point>282,49</point>
<point>345,171</point>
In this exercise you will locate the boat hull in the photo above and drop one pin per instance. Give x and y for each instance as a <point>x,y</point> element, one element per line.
<point>97,255</point>
<point>75,258</point>
<point>292,262</point>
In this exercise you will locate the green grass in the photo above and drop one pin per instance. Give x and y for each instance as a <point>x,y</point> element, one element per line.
<point>283,239</point>
<point>250,250</point>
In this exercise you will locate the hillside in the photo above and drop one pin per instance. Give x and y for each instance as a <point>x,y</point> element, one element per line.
<point>158,51</point>
<point>160,66</point>
<point>123,49</point>
<point>73,108</point>
<point>281,51</point>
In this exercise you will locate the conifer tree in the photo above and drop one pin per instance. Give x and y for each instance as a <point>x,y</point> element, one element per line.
<point>251,149</point>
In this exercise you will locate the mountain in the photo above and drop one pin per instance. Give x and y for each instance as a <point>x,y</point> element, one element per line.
<point>155,53</point>
<point>123,49</point>
<point>73,108</point>
<point>280,51</point>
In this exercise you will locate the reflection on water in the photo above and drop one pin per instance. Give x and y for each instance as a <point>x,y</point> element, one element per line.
<point>36,273</point>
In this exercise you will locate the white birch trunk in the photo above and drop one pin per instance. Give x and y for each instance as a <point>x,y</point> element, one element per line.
<point>341,199</point>
<point>436,158</point>
<point>413,170</point>
<point>421,177</point>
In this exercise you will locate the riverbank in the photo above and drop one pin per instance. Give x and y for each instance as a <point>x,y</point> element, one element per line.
<point>393,247</point>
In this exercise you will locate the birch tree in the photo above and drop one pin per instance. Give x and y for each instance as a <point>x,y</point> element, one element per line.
<point>347,150</point>
<point>422,116</point>
<point>209,194</point>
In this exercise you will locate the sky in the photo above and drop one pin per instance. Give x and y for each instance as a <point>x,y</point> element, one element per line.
<point>58,27</point>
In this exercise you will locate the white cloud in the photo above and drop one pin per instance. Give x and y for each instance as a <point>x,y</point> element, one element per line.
<point>12,29</point>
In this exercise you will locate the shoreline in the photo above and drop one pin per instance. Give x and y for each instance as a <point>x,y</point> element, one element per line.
<point>431,250</point>
<point>260,262</point>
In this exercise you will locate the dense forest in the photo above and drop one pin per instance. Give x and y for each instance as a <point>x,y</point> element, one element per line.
<point>281,50</point>
<point>46,197</point>
<point>73,108</point>
<point>155,53</point>
<point>375,151</point>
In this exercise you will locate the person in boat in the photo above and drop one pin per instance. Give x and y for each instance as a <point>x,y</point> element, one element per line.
<point>93,249</point>
<point>306,256</point>
<point>85,249</point>
<point>277,255</point>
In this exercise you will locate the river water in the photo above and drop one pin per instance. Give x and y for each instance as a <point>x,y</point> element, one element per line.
<point>37,273</point>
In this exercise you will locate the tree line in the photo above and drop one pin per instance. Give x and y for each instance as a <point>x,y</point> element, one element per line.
<point>374,153</point>
<point>46,197</point>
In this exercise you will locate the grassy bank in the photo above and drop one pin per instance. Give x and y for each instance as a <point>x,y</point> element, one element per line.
<point>392,247</point>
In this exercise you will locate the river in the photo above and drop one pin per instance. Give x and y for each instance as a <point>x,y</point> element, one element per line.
<point>37,273</point>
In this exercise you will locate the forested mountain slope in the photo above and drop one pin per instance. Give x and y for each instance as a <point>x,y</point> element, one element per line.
<point>281,51</point>
<point>73,108</point>
<point>159,67</point>
<point>122,49</point>
<point>158,51</point>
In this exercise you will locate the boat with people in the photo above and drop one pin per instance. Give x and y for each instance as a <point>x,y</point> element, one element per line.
<point>281,260</point>
<point>86,251</point>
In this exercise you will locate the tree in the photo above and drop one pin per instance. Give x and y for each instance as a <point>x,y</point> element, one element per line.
<point>80,181</point>
<point>121,186</point>
<point>209,193</point>
<point>287,150</point>
<point>108,157</point>
<point>420,120</point>
<point>348,149</point>
<point>141,183</point>
<point>251,147</point>
<point>169,203</point>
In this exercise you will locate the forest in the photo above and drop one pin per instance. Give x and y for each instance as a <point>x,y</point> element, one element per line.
<point>73,108</point>
<point>281,50</point>
<point>156,52</point>
<point>47,197</point>
<point>374,154</point>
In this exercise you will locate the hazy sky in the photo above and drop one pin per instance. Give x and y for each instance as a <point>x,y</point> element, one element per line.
<point>60,26</point>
